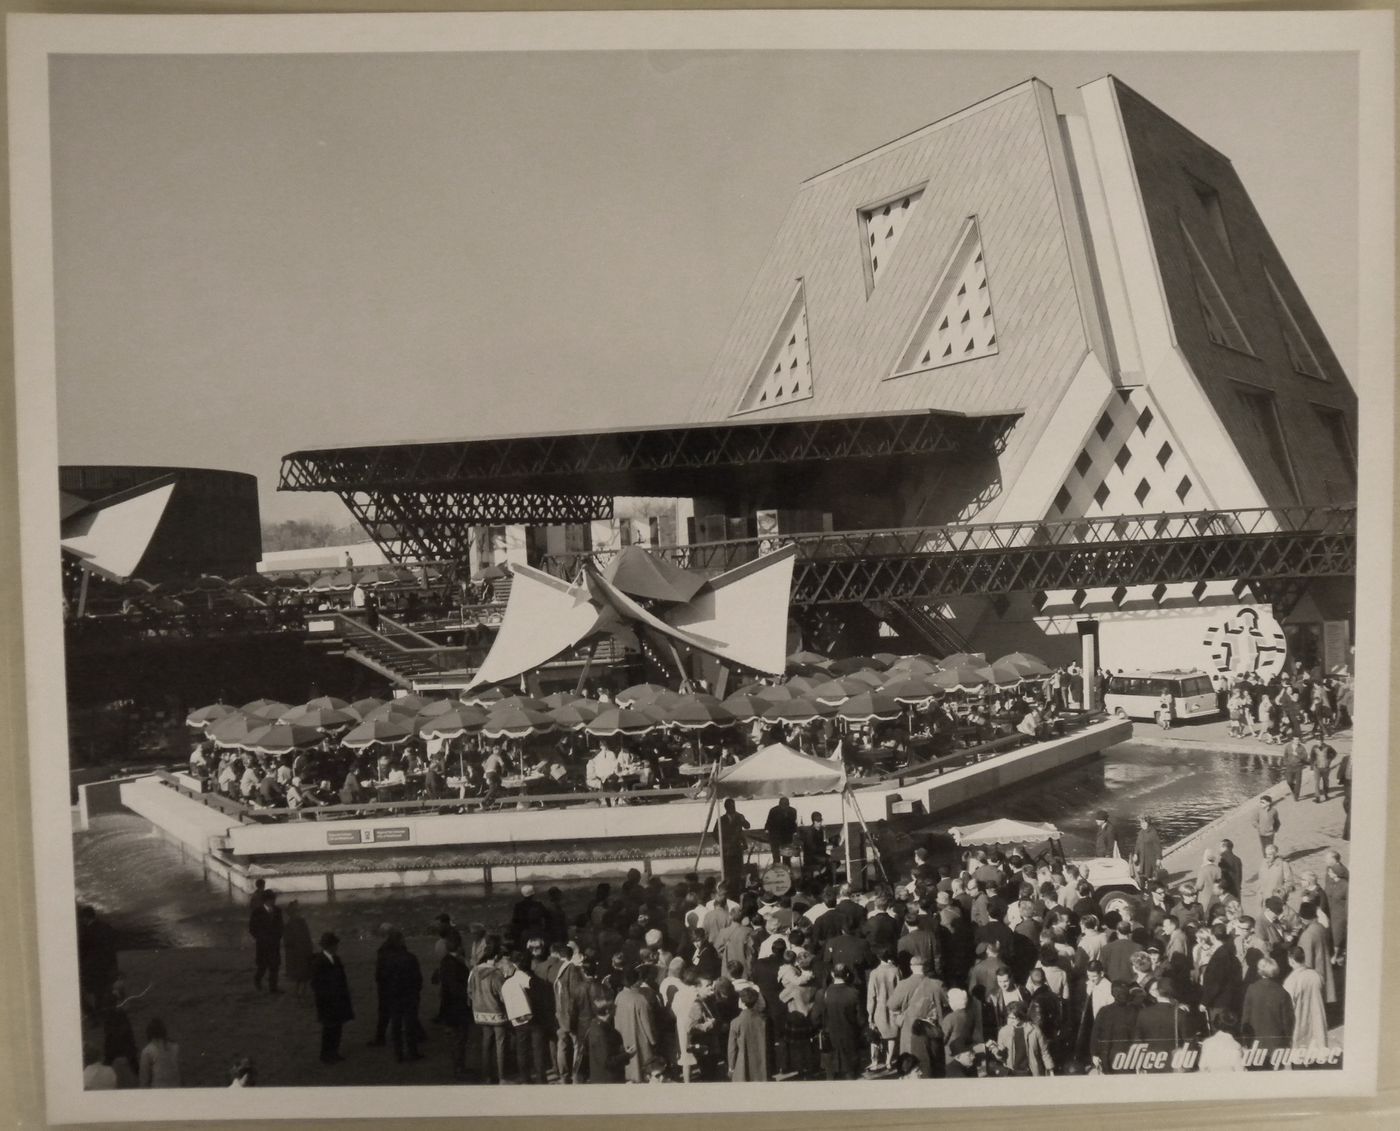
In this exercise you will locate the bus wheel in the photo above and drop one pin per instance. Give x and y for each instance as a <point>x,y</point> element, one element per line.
<point>1119,713</point>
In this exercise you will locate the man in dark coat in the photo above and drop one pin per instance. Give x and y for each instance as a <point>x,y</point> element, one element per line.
<point>1165,1025</point>
<point>748,1041</point>
<point>1231,868</point>
<point>602,1057</point>
<point>331,989</point>
<point>921,942</point>
<point>1147,852</point>
<point>1106,838</point>
<point>840,1010</point>
<point>402,988</point>
<point>265,925</point>
<point>1295,757</point>
<point>1114,1028</point>
<point>1222,981</point>
<point>733,844</point>
<point>850,950</point>
<point>456,1003</point>
<point>1117,955</point>
<point>1267,1016</point>
<point>781,827</point>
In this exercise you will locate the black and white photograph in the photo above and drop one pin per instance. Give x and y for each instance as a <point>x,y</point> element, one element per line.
<point>817,560</point>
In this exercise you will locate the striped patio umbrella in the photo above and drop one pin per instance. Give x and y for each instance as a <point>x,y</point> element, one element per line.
<point>524,702</point>
<point>640,693</point>
<point>232,731</point>
<point>576,715</point>
<point>696,712</point>
<point>834,692</point>
<point>749,688</point>
<point>362,707</point>
<point>483,696</point>
<point>459,720</point>
<point>621,720</point>
<point>889,659</point>
<point>439,707</point>
<point>919,664</point>
<point>746,707</point>
<point>851,664</point>
<point>279,738</point>
<point>516,722</point>
<point>778,693</point>
<point>560,698</point>
<point>805,684</point>
<point>796,711</point>
<point>413,701</point>
<point>808,659</point>
<point>391,710</point>
<point>964,677</point>
<point>1003,675</point>
<point>960,659</point>
<point>393,731</point>
<point>869,677</point>
<point>869,707</point>
<point>1030,667</point>
<point>911,690</point>
<point>269,709</point>
<point>324,718</point>
<point>205,717</point>
<point>328,701</point>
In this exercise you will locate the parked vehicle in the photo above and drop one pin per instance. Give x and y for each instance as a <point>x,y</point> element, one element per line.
<point>1139,695</point>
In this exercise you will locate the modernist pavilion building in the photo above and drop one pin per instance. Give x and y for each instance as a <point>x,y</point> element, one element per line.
<point>1013,316</point>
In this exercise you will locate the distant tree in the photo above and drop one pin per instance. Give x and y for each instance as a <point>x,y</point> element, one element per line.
<point>297,534</point>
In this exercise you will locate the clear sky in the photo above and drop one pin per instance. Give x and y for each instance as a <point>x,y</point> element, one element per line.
<point>255,254</point>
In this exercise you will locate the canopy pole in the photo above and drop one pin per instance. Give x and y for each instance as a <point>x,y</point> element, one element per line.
<point>879,860</point>
<point>587,666</point>
<point>82,591</point>
<point>705,828</point>
<point>846,834</point>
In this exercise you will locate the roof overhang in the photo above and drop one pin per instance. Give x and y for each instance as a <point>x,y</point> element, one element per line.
<point>661,461</point>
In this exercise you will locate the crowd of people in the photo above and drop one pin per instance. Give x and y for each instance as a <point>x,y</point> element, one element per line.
<point>1289,705</point>
<point>997,964</point>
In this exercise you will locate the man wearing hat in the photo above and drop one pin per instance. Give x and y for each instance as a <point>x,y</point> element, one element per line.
<point>1187,909</point>
<point>1106,838</point>
<point>331,990</point>
<point>530,917</point>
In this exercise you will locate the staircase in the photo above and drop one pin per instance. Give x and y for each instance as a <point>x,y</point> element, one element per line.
<point>917,623</point>
<point>397,652</point>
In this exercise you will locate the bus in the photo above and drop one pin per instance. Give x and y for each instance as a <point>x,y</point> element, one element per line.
<point>1136,695</point>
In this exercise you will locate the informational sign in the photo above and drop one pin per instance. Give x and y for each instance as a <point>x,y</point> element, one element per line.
<point>344,836</point>
<point>397,833</point>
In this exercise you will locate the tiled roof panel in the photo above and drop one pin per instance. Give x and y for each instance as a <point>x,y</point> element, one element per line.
<point>991,163</point>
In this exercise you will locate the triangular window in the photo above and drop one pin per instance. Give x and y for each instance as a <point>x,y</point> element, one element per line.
<point>1221,324</point>
<point>1210,205</point>
<point>1300,354</point>
<point>785,373</point>
<point>957,324</point>
<point>881,225</point>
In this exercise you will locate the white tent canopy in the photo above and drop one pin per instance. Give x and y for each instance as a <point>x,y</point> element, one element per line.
<point>777,770</point>
<point>1004,831</point>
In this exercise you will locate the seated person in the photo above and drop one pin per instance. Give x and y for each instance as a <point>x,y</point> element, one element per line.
<point>601,772</point>
<point>1030,725</point>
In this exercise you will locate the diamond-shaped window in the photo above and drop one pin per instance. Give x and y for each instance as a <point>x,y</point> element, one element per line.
<point>1101,495</point>
<point>1164,453</point>
<point>1145,420</point>
<point>1083,463</point>
<point>1183,488</point>
<point>1122,458</point>
<point>1104,426</point>
<point>1062,499</point>
<point>1143,490</point>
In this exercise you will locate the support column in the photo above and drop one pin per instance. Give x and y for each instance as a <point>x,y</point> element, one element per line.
<point>1089,661</point>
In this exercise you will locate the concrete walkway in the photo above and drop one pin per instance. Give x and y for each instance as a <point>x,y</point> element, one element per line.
<point>1307,829</point>
<point>1214,734</point>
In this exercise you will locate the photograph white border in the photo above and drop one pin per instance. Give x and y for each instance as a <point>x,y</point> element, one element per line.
<point>32,39</point>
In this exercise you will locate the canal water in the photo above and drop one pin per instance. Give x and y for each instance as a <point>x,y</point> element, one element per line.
<point>156,895</point>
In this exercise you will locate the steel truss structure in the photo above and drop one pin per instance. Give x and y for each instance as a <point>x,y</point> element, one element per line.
<point>537,479</point>
<point>436,525</point>
<point>1274,551</point>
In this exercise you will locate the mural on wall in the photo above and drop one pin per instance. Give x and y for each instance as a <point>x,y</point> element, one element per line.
<point>1247,640</point>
